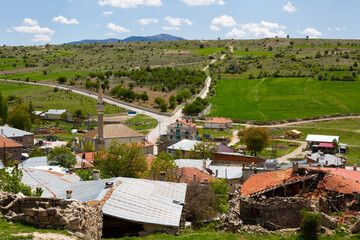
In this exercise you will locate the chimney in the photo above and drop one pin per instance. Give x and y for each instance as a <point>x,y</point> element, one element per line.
<point>109,184</point>
<point>216,172</point>
<point>317,159</point>
<point>206,180</point>
<point>194,178</point>
<point>355,167</point>
<point>162,176</point>
<point>295,167</point>
<point>204,165</point>
<point>2,132</point>
<point>96,174</point>
<point>68,194</point>
<point>71,170</point>
<point>326,163</point>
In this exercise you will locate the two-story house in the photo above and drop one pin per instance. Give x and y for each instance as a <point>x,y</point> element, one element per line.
<point>181,129</point>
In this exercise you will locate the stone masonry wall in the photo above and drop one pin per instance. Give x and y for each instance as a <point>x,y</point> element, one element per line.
<point>54,213</point>
<point>274,212</point>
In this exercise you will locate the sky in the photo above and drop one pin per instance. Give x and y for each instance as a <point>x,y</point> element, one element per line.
<point>37,22</point>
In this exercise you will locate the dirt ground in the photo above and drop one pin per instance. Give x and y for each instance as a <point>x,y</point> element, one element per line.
<point>172,51</point>
<point>46,236</point>
<point>13,71</point>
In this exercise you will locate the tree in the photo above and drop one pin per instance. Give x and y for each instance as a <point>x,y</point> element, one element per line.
<point>62,79</point>
<point>121,160</point>
<point>4,111</point>
<point>61,156</point>
<point>12,182</point>
<point>144,97</point>
<point>255,139</point>
<point>164,162</point>
<point>310,225</point>
<point>220,189</point>
<point>203,150</point>
<point>20,117</point>
<point>36,152</point>
<point>178,154</point>
<point>88,147</point>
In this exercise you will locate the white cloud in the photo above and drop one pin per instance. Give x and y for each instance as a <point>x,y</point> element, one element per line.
<point>236,33</point>
<point>337,29</point>
<point>117,28</point>
<point>110,34</point>
<point>289,8</point>
<point>311,32</point>
<point>34,29</point>
<point>167,28</point>
<point>263,29</point>
<point>107,13</point>
<point>41,38</point>
<point>63,20</point>
<point>203,2</point>
<point>329,29</point>
<point>30,22</point>
<point>147,21</point>
<point>177,22</point>
<point>130,3</point>
<point>9,30</point>
<point>223,21</point>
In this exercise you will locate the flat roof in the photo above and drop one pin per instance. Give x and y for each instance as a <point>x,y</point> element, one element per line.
<point>13,132</point>
<point>321,138</point>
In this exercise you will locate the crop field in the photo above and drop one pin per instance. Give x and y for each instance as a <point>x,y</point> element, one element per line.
<point>283,98</point>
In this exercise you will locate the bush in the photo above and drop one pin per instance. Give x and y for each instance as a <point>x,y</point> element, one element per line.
<point>310,225</point>
<point>62,79</point>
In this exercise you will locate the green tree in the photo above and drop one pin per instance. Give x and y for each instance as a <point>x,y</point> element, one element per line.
<point>255,139</point>
<point>62,79</point>
<point>178,154</point>
<point>36,152</point>
<point>310,225</point>
<point>164,162</point>
<point>144,97</point>
<point>220,189</point>
<point>84,174</point>
<point>61,156</point>
<point>12,182</point>
<point>203,150</point>
<point>88,147</point>
<point>4,111</point>
<point>20,117</point>
<point>121,160</point>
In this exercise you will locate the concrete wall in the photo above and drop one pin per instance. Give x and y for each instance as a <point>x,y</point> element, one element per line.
<point>54,213</point>
<point>14,153</point>
<point>26,141</point>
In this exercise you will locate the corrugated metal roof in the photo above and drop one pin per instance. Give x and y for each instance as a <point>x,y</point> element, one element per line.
<point>1,164</point>
<point>42,161</point>
<point>192,163</point>
<point>13,132</point>
<point>146,201</point>
<point>325,159</point>
<point>54,183</point>
<point>321,138</point>
<point>228,172</point>
<point>55,111</point>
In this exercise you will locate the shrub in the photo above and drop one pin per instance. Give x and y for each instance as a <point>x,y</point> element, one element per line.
<point>310,225</point>
<point>61,79</point>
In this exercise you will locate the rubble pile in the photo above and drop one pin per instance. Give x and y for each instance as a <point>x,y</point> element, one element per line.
<point>54,213</point>
<point>49,131</point>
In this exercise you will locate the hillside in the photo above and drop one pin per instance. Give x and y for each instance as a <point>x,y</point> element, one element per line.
<point>261,80</point>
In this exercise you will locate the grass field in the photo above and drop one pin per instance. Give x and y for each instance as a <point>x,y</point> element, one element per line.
<point>45,98</point>
<point>255,53</point>
<point>142,123</point>
<point>283,98</point>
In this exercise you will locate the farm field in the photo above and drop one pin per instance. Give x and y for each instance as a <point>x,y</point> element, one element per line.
<point>283,98</point>
<point>44,98</point>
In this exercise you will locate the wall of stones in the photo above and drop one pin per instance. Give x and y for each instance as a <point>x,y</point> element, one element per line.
<point>76,216</point>
<point>274,213</point>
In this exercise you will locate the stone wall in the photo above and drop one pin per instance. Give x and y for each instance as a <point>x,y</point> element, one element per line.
<point>275,212</point>
<point>55,213</point>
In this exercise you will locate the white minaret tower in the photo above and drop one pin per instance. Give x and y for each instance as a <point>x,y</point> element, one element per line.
<point>100,109</point>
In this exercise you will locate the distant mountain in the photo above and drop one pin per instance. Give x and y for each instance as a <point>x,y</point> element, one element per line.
<point>155,38</point>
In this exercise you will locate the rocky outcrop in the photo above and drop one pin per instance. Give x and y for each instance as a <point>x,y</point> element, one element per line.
<point>76,216</point>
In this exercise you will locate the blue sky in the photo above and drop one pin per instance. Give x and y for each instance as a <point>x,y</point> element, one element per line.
<point>37,22</point>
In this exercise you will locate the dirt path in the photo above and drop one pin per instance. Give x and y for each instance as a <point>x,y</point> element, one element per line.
<point>234,139</point>
<point>46,236</point>
<point>293,153</point>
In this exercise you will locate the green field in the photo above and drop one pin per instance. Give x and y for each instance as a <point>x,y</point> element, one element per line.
<point>255,53</point>
<point>45,98</point>
<point>283,98</point>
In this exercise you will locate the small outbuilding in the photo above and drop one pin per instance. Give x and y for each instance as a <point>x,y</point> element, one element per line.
<point>218,123</point>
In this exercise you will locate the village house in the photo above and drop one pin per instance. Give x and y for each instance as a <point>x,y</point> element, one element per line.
<point>181,129</point>
<point>114,132</point>
<point>322,142</point>
<point>23,137</point>
<point>57,114</point>
<point>218,123</point>
<point>13,149</point>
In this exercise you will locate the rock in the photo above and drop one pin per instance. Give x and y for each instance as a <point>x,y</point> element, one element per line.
<point>328,222</point>
<point>30,212</point>
<point>51,211</point>
<point>42,213</point>
<point>356,227</point>
<point>81,235</point>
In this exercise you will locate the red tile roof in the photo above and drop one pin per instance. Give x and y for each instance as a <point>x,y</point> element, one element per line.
<point>187,176</point>
<point>8,143</point>
<point>354,175</point>
<point>89,156</point>
<point>263,181</point>
<point>188,122</point>
<point>218,120</point>
<point>149,159</point>
<point>327,145</point>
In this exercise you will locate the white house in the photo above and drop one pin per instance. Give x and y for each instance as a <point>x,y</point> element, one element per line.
<point>218,123</point>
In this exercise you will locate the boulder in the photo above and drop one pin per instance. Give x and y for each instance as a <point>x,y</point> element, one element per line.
<point>328,222</point>
<point>356,227</point>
